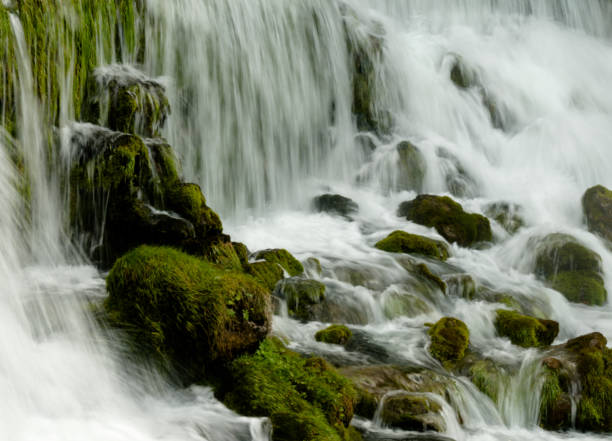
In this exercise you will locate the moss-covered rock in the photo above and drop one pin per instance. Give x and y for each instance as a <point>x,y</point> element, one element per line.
<point>587,362</point>
<point>411,167</point>
<point>525,331</point>
<point>458,180</point>
<point>281,257</point>
<point>300,294</point>
<point>597,207</point>
<point>335,204</point>
<point>488,377</point>
<point>402,242</point>
<point>267,273</point>
<point>399,303</point>
<point>412,412</point>
<point>571,268</point>
<point>187,310</point>
<point>450,338</point>
<point>334,334</point>
<point>448,218</point>
<point>508,215</point>
<point>306,399</point>
<point>460,285</point>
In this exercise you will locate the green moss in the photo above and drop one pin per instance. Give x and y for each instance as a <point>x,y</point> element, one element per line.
<point>300,295</point>
<point>305,399</point>
<point>402,242</point>
<point>525,331</point>
<point>335,334</point>
<point>555,403</point>
<point>187,310</point>
<point>412,412</point>
<point>487,377</point>
<point>581,287</point>
<point>597,207</point>
<point>448,218</point>
<point>424,271</point>
<point>222,253</point>
<point>267,273</point>
<point>506,214</point>
<point>450,338</point>
<point>242,252</point>
<point>283,258</point>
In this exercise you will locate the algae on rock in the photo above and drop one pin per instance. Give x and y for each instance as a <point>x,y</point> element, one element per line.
<point>402,242</point>
<point>450,338</point>
<point>525,331</point>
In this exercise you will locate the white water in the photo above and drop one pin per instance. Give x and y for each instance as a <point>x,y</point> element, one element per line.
<point>252,84</point>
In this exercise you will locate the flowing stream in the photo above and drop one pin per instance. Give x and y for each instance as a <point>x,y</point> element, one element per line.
<point>261,95</point>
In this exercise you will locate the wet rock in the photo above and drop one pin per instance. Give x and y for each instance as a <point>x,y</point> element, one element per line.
<point>450,338</point>
<point>402,242</point>
<point>362,343</point>
<point>461,76</point>
<point>412,412</point>
<point>411,167</point>
<point>281,257</point>
<point>571,268</point>
<point>399,303</point>
<point>300,294</point>
<point>373,435</point>
<point>334,334</point>
<point>597,207</point>
<point>125,100</point>
<point>312,266</point>
<point>267,273</point>
<point>448,218</point>
<point>582,371</point>
<point>525,331</point>
<point>506,214</point>
<point>460,285</point>
<point>186,310</point>
<point>337,309</point>
<point>458,180</point>
<point>335,204</point>
<point>487,376</point>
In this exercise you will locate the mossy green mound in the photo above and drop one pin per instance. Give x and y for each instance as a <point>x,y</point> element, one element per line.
<point>571,268</point>
<point>334,334</point>
<point>585,361</point>
<point>283,258</point>
<point>597,207</point>
<point>412,412</point>
<point>300,295</point>
<point>525,331</point>
<point>450,338</point>
<point>402,242</point>
<point>306,399</point>
<point>487,377</point>
<point>448,218</point>
<point>267,273</point>
<point>187,310</point>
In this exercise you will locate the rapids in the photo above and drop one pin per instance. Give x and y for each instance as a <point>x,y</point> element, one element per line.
<point>260,92</point>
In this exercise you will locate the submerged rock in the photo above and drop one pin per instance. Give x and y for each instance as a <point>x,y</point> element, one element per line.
<point>281,257</point>
<point>525,331</point>
<point>187,310</point>
<point>335,204</point>
<point>571,268</point>
<point>597,207</point>
<point>450,338</point>
<point>300,294</point>
<point>506,214</point>
<point>448,218</point>
<point>412,412</point>
<point>306,399</point>
<point>458,180</point>
<point>402,242</point>
<point>335,334</point>
<point>411,167</point>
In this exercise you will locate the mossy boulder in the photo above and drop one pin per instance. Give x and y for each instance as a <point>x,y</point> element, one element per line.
<point>448,218</point>
<point>334,334</point>
<point>335,204</point>
<point>571,268</point>
<point>450,338</point>
<point>506,214</point>
<point>525,331</point>
<point>597,207</point>
<point>488,377</point>
<point>402,242</point>
<point>125,100</point>
<point>306,399</point>
<point>188,311</point>
<point>587,362</point>
<point>300,294</point>
<point>412,412</point>
<point>267,273</point>
<point>411,167</point>
<point>281,257</point>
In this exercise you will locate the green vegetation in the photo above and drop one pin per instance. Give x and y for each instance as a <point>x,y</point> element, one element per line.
<point>283,258</point>
<point>412,412</point>
<point>267,273</point>
<point>335,334</point>
<point>450,338</point>
<point>525,331</point>
<point>402,242</point>
<point>597,207</point>
<point>300,295</point>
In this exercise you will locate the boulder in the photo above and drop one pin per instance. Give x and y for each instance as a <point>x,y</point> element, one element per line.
<point>266,273</point>
<point>185,309</point>
<point>506,214</point>
<point>281,257</point>
<point>334,334</point>
<point>300,294</point>
<point>417,412</point>
<point>450,338</point>
<point>402,242</point>
<point>597,207</point>
<point>305,399</point>
<point>335,204</point>
<point>411,167</point>
<point>571,268</point>
<point>448,218</point>
<point>525,331</point>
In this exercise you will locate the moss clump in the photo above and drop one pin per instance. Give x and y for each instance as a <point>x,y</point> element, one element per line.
<point>242,252</point>
<point>283,258</point>
<point>448,218</point>
<point>335,334</point>
<point>187,310</point>
<point>571,268</point>
<point>306,399</point>
<point>335,204</point>
<point>525,331</point>
<point>267,273</point>
<point>402,242</point>
<point>555,403</point>
<point>597,207</point>
<point>487,377</point>
<point>450,338</point>
<point>424,271</point>
<point>506,214</point>
<point>413,412</point>
<point>300,295</point>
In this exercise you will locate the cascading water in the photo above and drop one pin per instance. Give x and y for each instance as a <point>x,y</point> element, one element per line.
<point>261,93</point>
